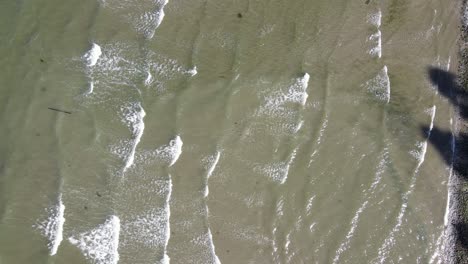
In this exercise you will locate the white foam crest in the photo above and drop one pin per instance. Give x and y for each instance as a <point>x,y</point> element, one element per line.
<point>380,170</point>
<point>211,169</point>
<point>322,129</point>
<point>90,88</point>
<point>375,19</point>
<point>100,244</point>
<point>420,155</point>
<point>149,21</point>
<point>52,227</point>
<point>378,176</point>
<point>345,245</point>
<point>116,66</point>
<point>213,165</point>
<point>91,56</point>
<point>438,256</point>
<point>299,126</point>
<point>287,248</point>
<point>167,208</point>
<point>149,78</point>
<point>311,227</point>
<point>274,245</point>
<point>148,229</point>
<point>301,87</point>
<point>151,228</point>
<point>165,67</point>
<point>279,207</point>
<point>133,116</point>
<point>377,49</point>
<point>279,213</point>
<point>380,85</point>
<point>296,93</point>
<point>432,112</point>
<point>212,161</point>
<point>279,171</point>
<point>390,240</point>
<point>447,208</point>
<point>212,248</point>
<point>309,205</point>
<point>169,153</point>
<point>319,139</point>
<point>176,149</point>
<point>193,71</point>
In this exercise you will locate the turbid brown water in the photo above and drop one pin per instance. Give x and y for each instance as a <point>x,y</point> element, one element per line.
<point>222,131</point>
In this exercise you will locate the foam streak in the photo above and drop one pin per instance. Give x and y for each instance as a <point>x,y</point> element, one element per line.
<point>52,227</point>
<point>134,116</point>
<point>100,244</point>
<point>91,57</point>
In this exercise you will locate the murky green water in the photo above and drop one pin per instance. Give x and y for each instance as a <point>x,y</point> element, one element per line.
<point>222,131</point>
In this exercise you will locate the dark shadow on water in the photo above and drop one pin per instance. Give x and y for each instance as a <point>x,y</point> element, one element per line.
<point>442,141</point>
<point>447,86</point>
<point>457,157</point>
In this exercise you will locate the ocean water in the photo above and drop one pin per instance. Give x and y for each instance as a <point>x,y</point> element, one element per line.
<point>178,131</point>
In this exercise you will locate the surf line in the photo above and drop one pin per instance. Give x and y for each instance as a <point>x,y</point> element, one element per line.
<point>211,168</point>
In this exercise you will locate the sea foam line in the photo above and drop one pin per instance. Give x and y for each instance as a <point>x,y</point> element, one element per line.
<point>387,80</point>
<point>149,78</point>
<point>345,245</point>
<point>420,154</point>
<point>160,14</point>
<point>169,153</point>
<point>376,20</point>
<point>279,215</point>
<point>176,145</point>
<point>150,21</point>
<point>166,259</point>
<point>278,172</point>
<point>152,227</point>
<point>354,222</point>
<point>452,147</point>
<point>447,233</point>
<point>323,127</point>
<point>90,88</point>
<point>52,227</point>
<point>212,248</point>
<point>92,55</point>
<point>210,172</point>
<point>100,244</point>
<point>214,161</point>
<point>296,93</point>
<point>377,50</point>
<point>134,116</point>
<point>439,252</point>
<point>380,85</point>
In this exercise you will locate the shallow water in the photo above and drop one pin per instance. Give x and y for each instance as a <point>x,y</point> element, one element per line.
<point>222,131</point>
